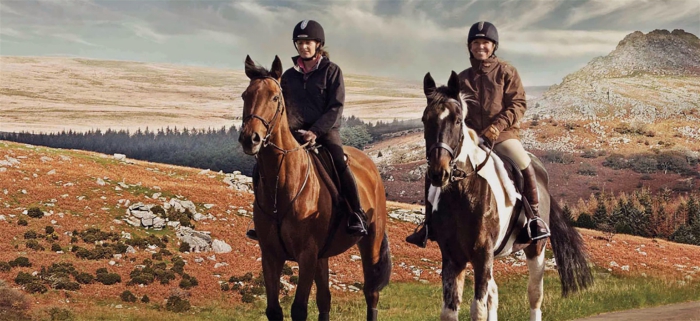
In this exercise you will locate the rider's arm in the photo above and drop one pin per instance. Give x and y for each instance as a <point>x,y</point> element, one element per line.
<point>336,100</point>
<point>513,101</point>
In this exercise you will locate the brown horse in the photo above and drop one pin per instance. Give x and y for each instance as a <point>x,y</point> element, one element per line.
<point>293,212</point>
<point>471,212</point>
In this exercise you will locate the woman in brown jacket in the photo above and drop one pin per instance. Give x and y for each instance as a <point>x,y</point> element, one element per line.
<point>495,106</point>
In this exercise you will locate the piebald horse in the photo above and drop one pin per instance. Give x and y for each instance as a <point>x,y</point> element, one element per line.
<point>471,213</point>
<point>293,211</point>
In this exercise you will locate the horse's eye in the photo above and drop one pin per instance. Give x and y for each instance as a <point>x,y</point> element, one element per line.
<point>458,121</point>
<point>275,98</point>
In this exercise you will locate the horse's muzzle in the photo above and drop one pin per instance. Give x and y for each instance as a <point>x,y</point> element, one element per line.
<point>250,141</point>
<point>439,177</point>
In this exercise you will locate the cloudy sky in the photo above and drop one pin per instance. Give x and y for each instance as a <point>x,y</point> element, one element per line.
<point>404,39</point>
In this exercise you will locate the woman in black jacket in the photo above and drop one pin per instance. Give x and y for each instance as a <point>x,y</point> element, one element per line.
<point>314,93</point>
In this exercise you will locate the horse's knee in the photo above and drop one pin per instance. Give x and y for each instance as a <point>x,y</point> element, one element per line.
<point>274,313</point>
<point>299,312</point>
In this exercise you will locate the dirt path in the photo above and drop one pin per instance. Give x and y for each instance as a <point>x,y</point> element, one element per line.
<point>689,311</point>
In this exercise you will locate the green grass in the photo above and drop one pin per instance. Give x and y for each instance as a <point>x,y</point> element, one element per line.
<point>414,302</point>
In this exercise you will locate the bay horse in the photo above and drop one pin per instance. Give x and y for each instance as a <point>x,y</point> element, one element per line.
<point>470,218</point>
<point>293,211</point>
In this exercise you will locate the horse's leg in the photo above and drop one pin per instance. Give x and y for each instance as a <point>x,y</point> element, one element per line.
<point>307,270</point>
<point>483,279</point>
<point>272,270</point>
<point>535,287</point>
<point>323,292</point>
<point>376,266</point>
<point>452,289</point>
<point>492,301</point>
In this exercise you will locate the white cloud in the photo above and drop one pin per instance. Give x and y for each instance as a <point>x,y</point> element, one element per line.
<point>145,32</point>
<point>74,38</point>
<point>562,43</point>
<point>11,32</point>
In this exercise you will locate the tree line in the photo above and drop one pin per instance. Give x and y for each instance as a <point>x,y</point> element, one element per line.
<point>214,149</point>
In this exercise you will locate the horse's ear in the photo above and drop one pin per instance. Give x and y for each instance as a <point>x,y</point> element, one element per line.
<point>428,85</point>
<point>453,84</point>
<point>250,70</point>
<point>276,71</point>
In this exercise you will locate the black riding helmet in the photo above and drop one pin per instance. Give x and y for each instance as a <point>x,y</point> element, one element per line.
<point>309,30</point>
<point>484,30</point>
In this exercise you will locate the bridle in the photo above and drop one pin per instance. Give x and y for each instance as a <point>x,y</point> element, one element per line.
<point>456,173</point>
<point>269,127</point>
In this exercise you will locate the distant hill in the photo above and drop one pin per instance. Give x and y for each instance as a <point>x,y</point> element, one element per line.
<point>648,77</point>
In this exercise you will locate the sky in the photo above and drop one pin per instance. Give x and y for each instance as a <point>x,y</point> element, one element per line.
<point>544,39</point>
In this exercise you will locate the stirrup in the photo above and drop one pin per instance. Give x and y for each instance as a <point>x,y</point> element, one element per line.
<point>529,228</point>
<point>251,233</point>
<point>360,230</point>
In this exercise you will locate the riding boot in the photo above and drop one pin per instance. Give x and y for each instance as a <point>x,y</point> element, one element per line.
<point>421,235</point>
<point>356,219</point>
<point>251,234</point>
<point>537,228</point>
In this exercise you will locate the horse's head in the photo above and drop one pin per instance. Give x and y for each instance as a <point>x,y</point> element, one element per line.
<point>263,105</point>
<point>442,126</point>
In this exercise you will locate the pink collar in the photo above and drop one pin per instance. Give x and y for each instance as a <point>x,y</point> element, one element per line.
<point>316,60</point>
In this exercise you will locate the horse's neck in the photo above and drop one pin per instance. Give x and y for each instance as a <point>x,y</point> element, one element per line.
<point>282,170</point>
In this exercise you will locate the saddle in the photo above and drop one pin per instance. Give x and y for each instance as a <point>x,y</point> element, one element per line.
<point>517,177</point>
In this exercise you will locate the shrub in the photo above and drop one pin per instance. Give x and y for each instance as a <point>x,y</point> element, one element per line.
<point>587,170</point>
<point>29,235</point>
<point>188,282</point>
<point>24,278</point>
<point>35,212</point>
<point>177,304</point>
<point>34,245</point>
<point>145,299</point>
<point>84,278</point>
<point>589,153</point>
<point>555,156</point>
<point>22,222</point>
<point>36,287</point>
<point>108,278</point>
<point>684,234</point>
<point>21,262</point>
<point>616,161</point>
<point>645,164</point>
<point>225,287</point>
<point>287,270</point>
<point>184,247</point>
<point>49,229</point>
<point>59,314</point>
<point>55,247</point>
<point>66,285</point>
<point>127,296</point>
<point>5,267</point>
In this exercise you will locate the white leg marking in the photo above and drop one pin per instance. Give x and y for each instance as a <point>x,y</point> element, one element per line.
<point>535,315</point>
<point>493,300</point>
<point>535,287</point>
<point>434,196</point>
<point>479,310</point>
<point>449,315</point>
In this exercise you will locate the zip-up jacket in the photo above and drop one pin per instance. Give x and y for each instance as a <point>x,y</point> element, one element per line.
<point>317,97</point>
<point>495,96</point>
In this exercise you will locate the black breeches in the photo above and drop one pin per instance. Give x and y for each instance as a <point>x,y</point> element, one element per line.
<point>332,142</point>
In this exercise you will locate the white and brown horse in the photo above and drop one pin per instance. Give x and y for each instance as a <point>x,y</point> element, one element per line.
<point>471,212</point>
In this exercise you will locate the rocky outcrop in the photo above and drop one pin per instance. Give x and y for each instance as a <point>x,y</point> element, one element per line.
<point>647,77</point>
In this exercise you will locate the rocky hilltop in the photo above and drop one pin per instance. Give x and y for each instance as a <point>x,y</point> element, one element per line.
<point>647,77</point>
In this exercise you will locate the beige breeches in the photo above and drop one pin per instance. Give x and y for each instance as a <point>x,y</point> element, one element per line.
<point>513,149</point>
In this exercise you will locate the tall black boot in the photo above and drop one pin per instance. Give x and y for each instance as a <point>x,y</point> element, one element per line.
<point>421,236</point>
<point>537,228</point>
<point>251,234</point>
<point>356,219</point>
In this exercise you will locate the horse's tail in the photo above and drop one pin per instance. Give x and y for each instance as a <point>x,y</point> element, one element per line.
<point>381,271</point>
<point>569,252</point>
